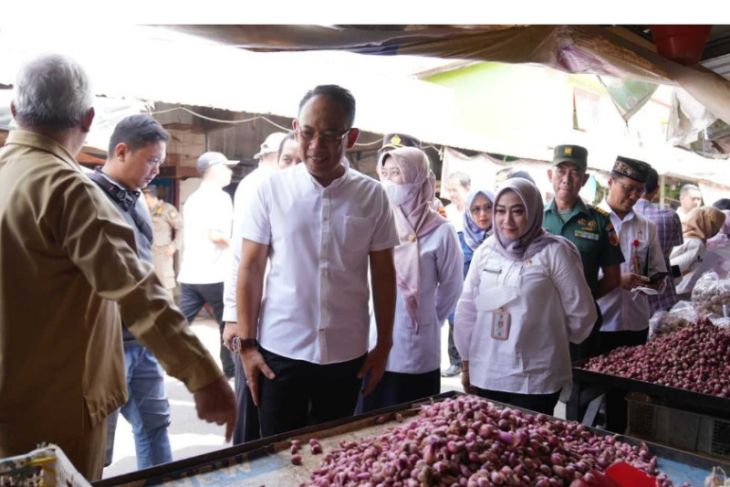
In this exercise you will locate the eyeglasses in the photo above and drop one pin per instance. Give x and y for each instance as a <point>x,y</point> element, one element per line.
<point>484,209</point>
<point>631,190</point>
<point>329,136</point>
<point>389,172</point>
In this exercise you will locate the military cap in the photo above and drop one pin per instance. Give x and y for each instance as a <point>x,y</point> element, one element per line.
<point>631,168</point>
<point>396,141</point>
<point>573,154</point>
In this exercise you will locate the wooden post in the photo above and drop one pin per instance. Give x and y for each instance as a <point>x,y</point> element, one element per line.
<point>662,181</point>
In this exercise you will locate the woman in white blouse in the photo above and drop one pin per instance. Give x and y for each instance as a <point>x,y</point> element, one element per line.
<point>525,297</point>
<point>428,264</point>
<point>720,245</point>
<point>701,224</point>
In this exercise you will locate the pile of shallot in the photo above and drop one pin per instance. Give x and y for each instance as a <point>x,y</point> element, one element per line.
<point>694,358</point>
<point>470,442</point>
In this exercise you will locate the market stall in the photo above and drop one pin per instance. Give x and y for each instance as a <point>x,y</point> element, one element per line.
<point>677,384</point>
<point>416,443</point>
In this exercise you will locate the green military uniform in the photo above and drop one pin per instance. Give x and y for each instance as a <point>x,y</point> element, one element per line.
<point>590,229</point>
<point>166,231</point>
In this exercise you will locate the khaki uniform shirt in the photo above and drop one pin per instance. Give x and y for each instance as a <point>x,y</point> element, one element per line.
<point>166,230</point>
<point>67,259</point>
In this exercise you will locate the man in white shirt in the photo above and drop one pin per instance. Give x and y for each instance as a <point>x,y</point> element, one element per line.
<point>207,216</point>
<point>626,309</point>
<point>457,187</point>
<point>247,424</point>
<point>690,198</point>
<point>304,346</point>
<point>268,163</point>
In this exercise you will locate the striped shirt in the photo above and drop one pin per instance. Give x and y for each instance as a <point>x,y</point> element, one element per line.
<point>669,233</point>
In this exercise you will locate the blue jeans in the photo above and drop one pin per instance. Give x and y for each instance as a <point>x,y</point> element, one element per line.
<point>147,409</point>
<point>192,299</point>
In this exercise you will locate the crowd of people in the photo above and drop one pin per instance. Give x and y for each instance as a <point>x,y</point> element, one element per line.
<point>329,287</point>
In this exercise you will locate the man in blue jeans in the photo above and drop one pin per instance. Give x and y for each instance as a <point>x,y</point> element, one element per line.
<point>136,150</point>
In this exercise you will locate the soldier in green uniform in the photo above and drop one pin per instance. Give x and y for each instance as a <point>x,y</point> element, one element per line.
<point>588,227</point>
<point>166,236</point>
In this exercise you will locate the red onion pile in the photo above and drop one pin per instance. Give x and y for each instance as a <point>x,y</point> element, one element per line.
<point>694,358</point>
<point>470,442</point>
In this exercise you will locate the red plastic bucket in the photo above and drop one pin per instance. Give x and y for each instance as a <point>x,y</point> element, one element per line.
<point>681,43</point>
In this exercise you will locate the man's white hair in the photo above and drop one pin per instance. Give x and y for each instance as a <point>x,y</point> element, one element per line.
<point>52,91</point>
<point>687,188</point>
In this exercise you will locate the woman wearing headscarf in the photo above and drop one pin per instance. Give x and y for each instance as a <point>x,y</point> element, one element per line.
<point>524,299</point>
<point>477,223</point>
<point>428,265</point>
<point>720,244</point>
<point>477,226</point>
<point>701,224</point>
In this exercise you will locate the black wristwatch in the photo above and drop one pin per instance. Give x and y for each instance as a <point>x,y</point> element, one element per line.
<point>238,344</point>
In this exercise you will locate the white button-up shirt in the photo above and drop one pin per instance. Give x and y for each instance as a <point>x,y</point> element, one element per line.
<point>315,304</point>
<point>203,262</point>
<point>623,310</point>
<point>244,193</point>
<point>455,217</point>
<point>549,304</point>
<point>441,267</point>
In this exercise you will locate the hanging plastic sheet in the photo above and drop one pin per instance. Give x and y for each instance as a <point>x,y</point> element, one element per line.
<point>575,49</point>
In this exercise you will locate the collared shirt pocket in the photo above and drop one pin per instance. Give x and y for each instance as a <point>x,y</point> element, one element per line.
<point>358,231</point>
<point>641,251</point>
<point>499,285</point>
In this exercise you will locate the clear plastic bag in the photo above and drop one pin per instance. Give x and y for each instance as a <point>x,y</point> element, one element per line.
<point>717,478</point>
<point>682,314</point>
<point>721,322</point>
<point>711,296</point>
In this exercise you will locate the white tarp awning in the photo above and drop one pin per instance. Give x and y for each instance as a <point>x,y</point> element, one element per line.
<point>133,63</point>
<point>161,65</point>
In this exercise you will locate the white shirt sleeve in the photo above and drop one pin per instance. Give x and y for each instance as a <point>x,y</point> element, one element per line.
<point>575,295</point>
<point>385,235</point>
<point>449,268</point>
<point>466,311</point>
<point>257,225</point>
<point>686,254</point>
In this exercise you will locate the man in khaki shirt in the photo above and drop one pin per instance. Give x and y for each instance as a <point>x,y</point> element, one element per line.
<point>167,236</point>
<point>68,269</point>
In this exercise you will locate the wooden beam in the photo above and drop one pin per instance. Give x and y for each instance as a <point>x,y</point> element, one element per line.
<point>178,172</point>
<point>631,36</point>
<point>184,126</point>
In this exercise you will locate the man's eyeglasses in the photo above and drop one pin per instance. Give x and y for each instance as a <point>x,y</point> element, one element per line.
<point>631,190</point>
<point>329,136</point>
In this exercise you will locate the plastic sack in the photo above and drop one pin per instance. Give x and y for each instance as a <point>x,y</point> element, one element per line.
<point>711,296</point>
<point>721,322</point>
<point>682,314</point>
<point>717,478</point>
<point>720,245</point>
